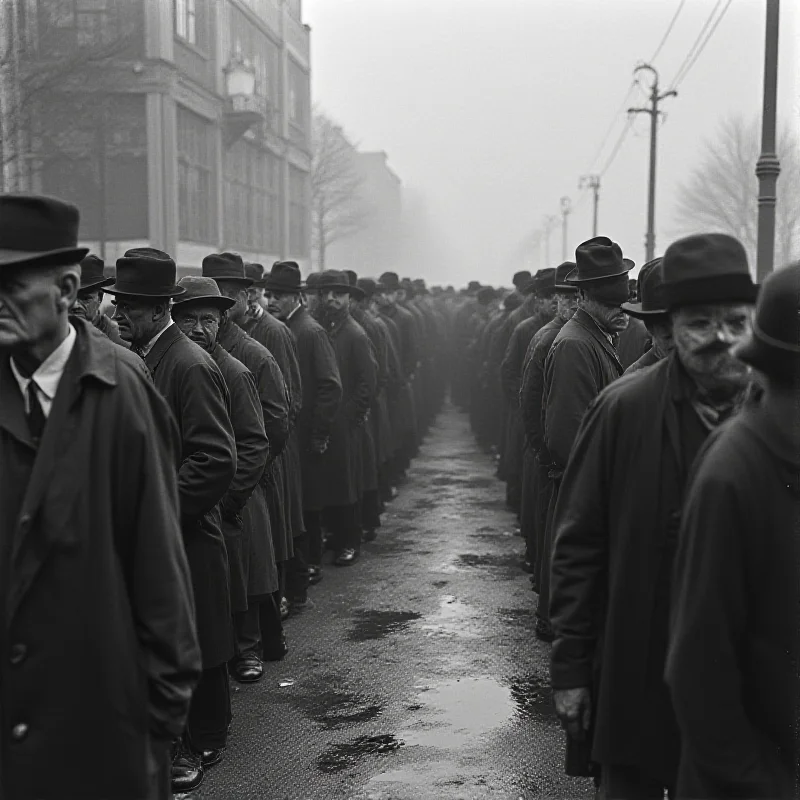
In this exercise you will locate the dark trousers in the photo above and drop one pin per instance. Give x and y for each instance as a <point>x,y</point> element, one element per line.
<point>370,511</point>
<point>260,624</point>
<point>297,568</point>
<point>210,711</point>
<point>543,607</point>
<point>314,544</point>
<point>618,782</point>
<point>343,523</point>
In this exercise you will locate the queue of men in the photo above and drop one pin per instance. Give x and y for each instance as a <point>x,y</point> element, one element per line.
<point>660,504</point>
<point>172,477</point>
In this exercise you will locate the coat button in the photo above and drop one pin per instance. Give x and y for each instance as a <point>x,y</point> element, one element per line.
<point>25,522</point>
<point>19,732</point>
<point>18,653</point>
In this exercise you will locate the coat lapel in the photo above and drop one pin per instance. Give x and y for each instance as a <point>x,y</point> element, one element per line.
<point>171,335</point>
<point>586,321</point>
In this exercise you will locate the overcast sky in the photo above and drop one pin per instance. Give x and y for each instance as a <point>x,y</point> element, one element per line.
<point>491,110</point>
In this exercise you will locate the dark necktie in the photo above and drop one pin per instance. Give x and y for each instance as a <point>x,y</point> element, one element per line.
<point>36,417</point>
<point>137,351</point>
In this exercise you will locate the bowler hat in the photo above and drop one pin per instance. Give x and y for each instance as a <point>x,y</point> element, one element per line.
<point>650,292</point>
<point>284,278</point>
<point>486,294</point>
<point>706,268</point>
<point>511,301</point>
<point>598,259</point>
<point>472,286</point>
<point>390,281</point>
<point>145,272</point>
<point>203,291</point>
<point>562,270</point>
<point>92,275</point>
<point>542,283</point>
<point>38,231</point>
<point>332,280</point>
<point>774,344</point>
<point>521,279</point>
<point>226,267</point>
<point>255,272</point>
<point>369,286</point>
<point>355,290</point>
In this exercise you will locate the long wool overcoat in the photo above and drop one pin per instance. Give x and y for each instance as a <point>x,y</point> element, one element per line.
<point>400,395</point>
<point>195,391</point>
<point>98,625</point>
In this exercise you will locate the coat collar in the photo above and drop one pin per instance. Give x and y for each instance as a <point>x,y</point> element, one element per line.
<point>171,334</point>
<point>586,321</point>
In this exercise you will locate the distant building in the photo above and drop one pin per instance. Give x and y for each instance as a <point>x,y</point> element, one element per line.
<point>376,247</point>
<point>182,124</point>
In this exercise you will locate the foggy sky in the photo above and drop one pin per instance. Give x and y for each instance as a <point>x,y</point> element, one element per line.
<point>492,109</point>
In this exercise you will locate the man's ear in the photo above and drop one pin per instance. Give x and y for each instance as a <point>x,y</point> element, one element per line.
<point>69,281</point>
<point>161,311</point>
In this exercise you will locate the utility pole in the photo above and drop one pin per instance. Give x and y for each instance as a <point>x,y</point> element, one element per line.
<point>768,167</point>
<point>549,225</point>
<point>566,207</point>
<point>655,99</point>
<point>593,183</point>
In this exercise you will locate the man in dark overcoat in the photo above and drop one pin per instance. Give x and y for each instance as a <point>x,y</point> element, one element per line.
<point>635,340</point>
<point>199,314</point>
<point>322,394</point>
<point>259,630</point>
<point>98,622</point>
<point>618,514</point>
<point>191,383</point>
<point>90,297</point>
<point>734,643</point>
<point>582,361</point>
<point>341,468</point>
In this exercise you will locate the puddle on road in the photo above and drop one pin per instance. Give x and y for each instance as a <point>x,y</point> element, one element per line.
<point>455,713</point>
<point>452,619</point>
<point>533,697</point>
<point>370,624</point>
<point>503,560</point>
<point>511,616</point>
<point>335,708</point>
<point>347,754</point>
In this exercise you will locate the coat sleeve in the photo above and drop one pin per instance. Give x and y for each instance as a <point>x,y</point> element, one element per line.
<point>209,449</point>
<point>511,367</point>
<point>709,627</point>
<point>285,352</point>
<point>252,444</point>
<point>274,405</point>
<point>365,371</point>
<point>329,384</point>
<point>570,386</point>
<point>532,397</point>
<point>151,550</point>
<point>579,560</point>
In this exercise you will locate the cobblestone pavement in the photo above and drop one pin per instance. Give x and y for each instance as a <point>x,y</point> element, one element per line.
<point>416,674</point>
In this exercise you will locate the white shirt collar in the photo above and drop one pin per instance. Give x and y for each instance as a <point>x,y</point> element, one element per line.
<point>293,311</point>
<point>48,374</point>
<point>151,344</point>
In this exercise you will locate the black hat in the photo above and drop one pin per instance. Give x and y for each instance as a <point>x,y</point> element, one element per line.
<point>226,267</point>
<point>284,278</point>
<point>706,268</point>
<point>419,286</point>
<point>390,281</point>
<point>562,270</point>
<point>255,272</point>
<point>521,279</point>
<point>512,301</point>
<point>369,286</point>
<point>774,344</point>
<point>331,280</point>
<point>473,286</point>
<point>312,280</point>
<point>542,283</point>
<point>355,290</point>
<point>485,295</point>
<point>650,292</point>
<point>203,291</point>
<point>38,231</point>
<point>145,272</point>
<point>92,275</point>
<point>408,287</point>
<point>596,260</point>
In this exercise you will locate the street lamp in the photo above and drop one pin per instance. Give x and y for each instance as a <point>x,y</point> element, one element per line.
<point>549,224</point>
<point>240,79</point>
<point>566,207</point>
<point>244,110</point>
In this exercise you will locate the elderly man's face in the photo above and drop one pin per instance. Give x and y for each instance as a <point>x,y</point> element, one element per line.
<point>704,337</point>
<point>235,291</point>
<point>281,305</point>
<point>610,316</point>
<point>199,323</point>
<point>566,305</point>
<point>32,302</point>
<point>255,298</point>
<point>87,306</point>
<point>334,300</point>
<point>139,318</point>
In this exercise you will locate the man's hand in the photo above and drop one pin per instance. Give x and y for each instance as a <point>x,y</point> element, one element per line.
<point>574,709</point>
<point>319,444</point>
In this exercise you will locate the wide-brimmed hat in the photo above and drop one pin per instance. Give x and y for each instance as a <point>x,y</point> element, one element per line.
<point>650,291</point>
<point>390,281</point>
<point>511,301</point>
<point>369,286</point>
<point>226,267</point>
<point>145,272</point>
<point>485,295</point>
<point>598,259</point>
<point>332,280</point>
<point>255,273</point>
<point>284,278</point>
<point>202,291</point>
<point>560,284</point>
<point>774,343</point>
<point>706,268</point>
<point>356,291</point>
<point>542,283</point>
<point>92,274</point>
<point>473,286</point>
<point>38,231</point>
<point>521,279</point>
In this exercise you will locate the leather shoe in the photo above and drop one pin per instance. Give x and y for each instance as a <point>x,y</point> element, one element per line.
<point>346,558</point>
<point>212,757</point>
<point>544,632</point>
<point>314,574</point>
<point>247,668</point>
<point>527,566</point>
<point>285,609</point>
<point>276,649</point>
<point>187,770</point>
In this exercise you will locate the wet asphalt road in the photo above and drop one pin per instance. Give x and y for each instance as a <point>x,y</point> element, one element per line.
<point>416,674</point>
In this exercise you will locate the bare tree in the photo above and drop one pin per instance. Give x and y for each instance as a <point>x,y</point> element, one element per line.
<point>721,193</point>
<point>337,206</point>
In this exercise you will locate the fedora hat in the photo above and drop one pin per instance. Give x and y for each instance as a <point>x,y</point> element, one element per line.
<point>562,270</point>
<point>650,292</point>
<point>92,274</point>
<point>355,290</point>
<point>521,279</point>
<point>598,259</point>
<point>542,281</point>
<point>774,343</point>
<point>284,278</point>
<point>706,268</point>
<point>38,231</point>
<point>255,272</point>
<point>369,286</point>
<point>485,295</point>
<point>145,272</point>
<point>390,281</point>
<point>203,291</point>
<point>226,267</point>
<point>332,280</point>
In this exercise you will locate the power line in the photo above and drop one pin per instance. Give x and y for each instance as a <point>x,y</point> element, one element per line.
<point>614,119</point>
<point>702,46</point>
<point>696,42</point>
<point>617,146</point>
<point>668,31</point>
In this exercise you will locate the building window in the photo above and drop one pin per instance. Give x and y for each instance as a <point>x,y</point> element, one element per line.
<point>299,233</point>
<point>298,97</point>
<point>251,198</point>
<point>65,25</point>
<point>250,44</point>
<point>196,178</point>
<point>190,21</point>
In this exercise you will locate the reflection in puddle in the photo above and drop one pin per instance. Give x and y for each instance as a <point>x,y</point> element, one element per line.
<point>452,619</point>
<point>348,754</point>
<point>370,624</point>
